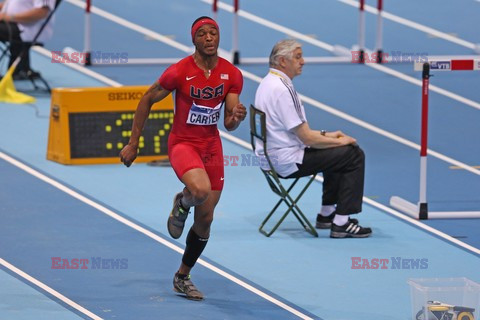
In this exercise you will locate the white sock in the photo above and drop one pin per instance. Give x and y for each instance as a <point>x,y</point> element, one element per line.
<point>327,210</point>
<point>340,220</point>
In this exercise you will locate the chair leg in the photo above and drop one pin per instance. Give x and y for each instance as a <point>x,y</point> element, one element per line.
<point>292,206</point>
<point>299,214</point>
<point>302,219</point>
<point>43,81</point>
<point>269,233</point>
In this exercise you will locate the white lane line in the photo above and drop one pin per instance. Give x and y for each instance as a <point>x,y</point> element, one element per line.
<point>277,27</point>
<point>360,123</point>
<point>414,25</point>
<point>328,47</point>
<point>371,127</point>
<point>46,288</point>
<point>382,207</point>
<point>135,226</point>
<point>133,26</point>
<point>80,68</point>
<point>418,82</point>
<point>142,230</point>
<point>422,225</point>
<point>255,78</point>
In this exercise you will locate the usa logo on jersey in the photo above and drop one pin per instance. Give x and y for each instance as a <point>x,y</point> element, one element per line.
<point>206,93</point>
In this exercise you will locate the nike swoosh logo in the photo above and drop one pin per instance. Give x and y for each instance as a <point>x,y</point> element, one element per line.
<point>222,178</point>
<point>190,78</point>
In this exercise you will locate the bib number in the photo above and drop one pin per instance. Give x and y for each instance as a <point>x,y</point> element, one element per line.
<point>204,116</point>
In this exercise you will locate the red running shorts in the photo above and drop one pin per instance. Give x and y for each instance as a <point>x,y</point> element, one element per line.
<point>206,153</point>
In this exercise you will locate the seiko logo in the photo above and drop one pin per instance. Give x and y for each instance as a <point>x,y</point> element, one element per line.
<point>125,96</point>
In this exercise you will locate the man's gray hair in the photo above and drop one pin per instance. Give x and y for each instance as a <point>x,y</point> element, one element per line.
<point>283,48</point>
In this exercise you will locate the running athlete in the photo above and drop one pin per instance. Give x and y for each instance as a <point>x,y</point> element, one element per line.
<point>202,82</point>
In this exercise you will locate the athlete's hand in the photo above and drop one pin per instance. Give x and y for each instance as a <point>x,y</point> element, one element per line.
<point>239,112</point>
<point>128,154</point>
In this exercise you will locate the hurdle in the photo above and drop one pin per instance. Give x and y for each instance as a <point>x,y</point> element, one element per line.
<point>341,54</point>
<point>420,210</point>
<point>377,54</point>
<point>361,32</point>
<point>379,38</point>
<point>86,40</point>
<point>263,60</point>
<point>90,54</point>
<point>233,56</point>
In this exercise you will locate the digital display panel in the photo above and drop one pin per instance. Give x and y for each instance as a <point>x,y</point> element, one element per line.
<point>104,134</point>
<point>91,125</point>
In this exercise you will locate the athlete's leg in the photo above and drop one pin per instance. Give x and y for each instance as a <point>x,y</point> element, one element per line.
<point>197,187</point>
<point>202,190</point>
<point>188,166</point>
<point>200,232</point>
<point>197,239</point>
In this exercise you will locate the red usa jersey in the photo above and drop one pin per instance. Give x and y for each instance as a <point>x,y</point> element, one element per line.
<point>198,100</point>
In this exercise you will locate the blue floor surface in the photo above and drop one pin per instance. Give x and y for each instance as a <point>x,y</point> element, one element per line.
<point>312,275</point>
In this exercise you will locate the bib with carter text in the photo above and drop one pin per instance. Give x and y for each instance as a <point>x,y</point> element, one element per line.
<point>204,116</point>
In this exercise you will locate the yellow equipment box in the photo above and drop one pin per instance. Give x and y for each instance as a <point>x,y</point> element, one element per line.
<point>92,125</point>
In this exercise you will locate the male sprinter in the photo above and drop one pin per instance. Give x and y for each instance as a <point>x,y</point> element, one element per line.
<point>203,82</point>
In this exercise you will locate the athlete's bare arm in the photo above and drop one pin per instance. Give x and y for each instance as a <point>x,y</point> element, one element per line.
<point>154,94</point>
<point>235,112</point>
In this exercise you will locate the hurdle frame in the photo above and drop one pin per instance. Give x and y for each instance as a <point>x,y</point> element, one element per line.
<point>87,41</point>
<point>341,55</point>
<point>420,210</point>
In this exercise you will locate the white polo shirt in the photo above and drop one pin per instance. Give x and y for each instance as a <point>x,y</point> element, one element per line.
<point>277,97</point>
<point>28,31</point>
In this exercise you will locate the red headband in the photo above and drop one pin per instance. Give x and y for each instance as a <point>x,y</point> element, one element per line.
<point>202,22</point>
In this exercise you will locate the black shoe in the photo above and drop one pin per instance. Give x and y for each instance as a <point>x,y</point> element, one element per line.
<point>326,222</point>
<point>349,230</point>
<point>185,285</point>
<point>177,217</point>
<point>26,75</point>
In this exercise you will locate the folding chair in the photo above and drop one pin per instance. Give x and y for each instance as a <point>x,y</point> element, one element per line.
<point>29,44</point>
<point>258,130</point>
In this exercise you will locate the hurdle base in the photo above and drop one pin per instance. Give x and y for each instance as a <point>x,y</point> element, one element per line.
<point>405,206</point>
<point>139,61</point>
<point>341,51</point>
<point>236,58</point>
<point>320,60</point>
<point>88,59</point>
<point>380,56</point>
<point>415,211</point>
<point>477,48</point>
